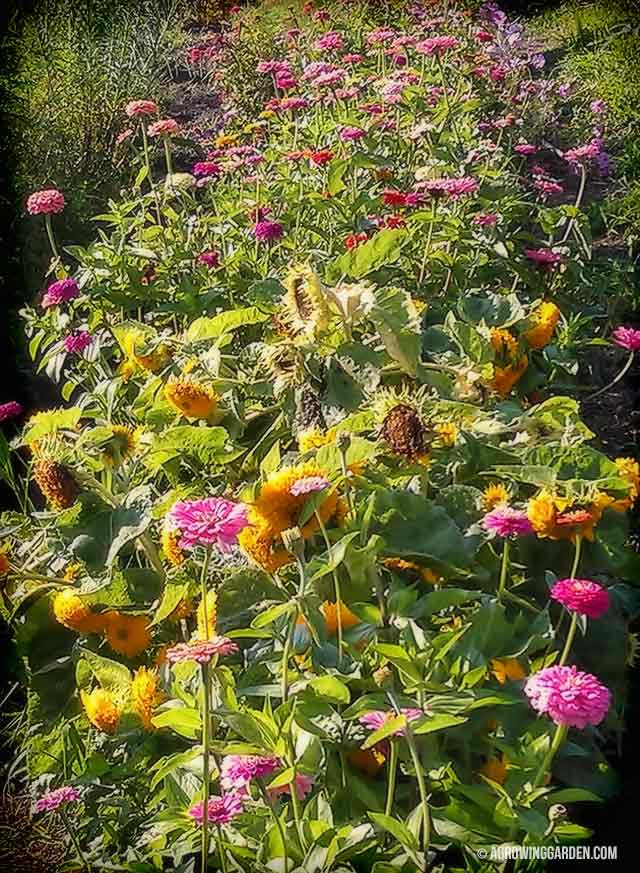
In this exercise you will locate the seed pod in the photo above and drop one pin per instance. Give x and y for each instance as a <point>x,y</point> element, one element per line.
<point>308,409</point>
<point>405,432</point>
<point>56,483</point>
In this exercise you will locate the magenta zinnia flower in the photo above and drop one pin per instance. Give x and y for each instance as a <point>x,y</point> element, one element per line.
<point>351,134</point>
<point>208,522</point>
<point>525,148</point>
<point>47,202</point>
<point>164,127</point>
<point>9,410</point>
<point>220,810</point>
<point>543,257</point>
<point>202,651</point>
<point>568,696</point>
<point>75,343</point>
<point>309,485</point>
<point>330,41</point>
<point>582,596</point>
<point>437,45</point>
<point>268,231</point>
<point>53,799</point>
<point>206,169</point>
<point>505,521</point>
<point>237,771</point>
<point>137,108</point>
<point>375,719</point>
<point>210,258</point>
<point>60,292</point>
<point>627,338</point>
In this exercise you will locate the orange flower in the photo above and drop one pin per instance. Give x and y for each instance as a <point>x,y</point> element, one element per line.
<point>495,769</point>
<point>127,634</point>
<point>330,612</point>
<point>507,669</point>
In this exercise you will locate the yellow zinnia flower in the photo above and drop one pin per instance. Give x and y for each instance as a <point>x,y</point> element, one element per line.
<point>494,495</point>
<point>191,398</point>
<point>127,634</point>
<point>102,709</point>
<point>545,317</point>
<point>504,669</point>
<point>264,547</point>
<point>145,694</point>
<point>70,610</point>
<point>556,518</point>
<point>329,611</point>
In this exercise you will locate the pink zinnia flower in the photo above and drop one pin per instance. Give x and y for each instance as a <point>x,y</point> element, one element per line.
<point>124,135</point>
<point>268,231</point>
<point>303,784</point>
<point>525,148</point>
<point>437,45</point>
<point>568,696</point>
<point>206,169</point>
<point>47,202</point>
<point>9,410</point>
<point>543,257</point>
<point>597,106</point>
<point>290,104</point>
<point>75,343</point>
<point>547,187</point>
<point>220,810</point>
<point>582,596</point>
<point>353,58</point>
<point>53,799</point>
<point>138,108</point>
<point>330,41</point>
<point>164,127</point>
<point>351,134</point>
<point>209,258</point>
<point>485,219</point>
<point>375,719</point>
<point>584,153</point>
<point>237,771</point>
<point>627,338</point>
<point>504,521</point>
<point>60,292</point>
<point>309,485</point>
<point>285,80</point>
<point>213,521</point>
<point>202,651</point>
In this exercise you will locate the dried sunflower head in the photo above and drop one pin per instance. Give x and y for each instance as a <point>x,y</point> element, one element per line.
<point>304,306</point>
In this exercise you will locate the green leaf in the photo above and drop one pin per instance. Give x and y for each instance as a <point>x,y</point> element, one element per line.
<point>396,828</point>
<point>111,675</point>
<point>182,720</point>
<point>443,599</point>
<point>335,183</point>
<point>211,328</point>
<point>205,445</point>
<point>330,688</point>
<point>169,763</point>
<point>272,614</point>
<point>382,249</point>
<point>390,726</point>
<point>437,722</point>
<point>174,592</point>
<point>46,423</point>
<point>129,521</point>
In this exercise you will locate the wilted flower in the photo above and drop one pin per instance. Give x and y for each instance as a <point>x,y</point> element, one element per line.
<point>47,202</point>
<point>568,696</point>
<point>582,596</point>
<point>208,522</point>
<point>58,797</point>
<point>543,257</point>
<point>220,810</point>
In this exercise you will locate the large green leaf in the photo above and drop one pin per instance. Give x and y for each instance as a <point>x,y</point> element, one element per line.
<point>47,423</point>
<point>211,328</point>
<point>382,249</point>
<point>415,528</point>
<point>111,675</point>
<point>202,444</point>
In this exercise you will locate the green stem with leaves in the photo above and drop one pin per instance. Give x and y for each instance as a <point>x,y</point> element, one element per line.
<point>206,748</point>
<point>52,239</point>
<point>336,585</point>
<point>504,568</point>
<point>278,823</point>
<point>545,767</point>
<point>74,840</point>
<point>392,772</point>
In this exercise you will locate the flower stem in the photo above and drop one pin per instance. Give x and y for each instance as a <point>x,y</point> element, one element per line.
<point>556,742</point>
<point>278,823</point>
<point>204,592</point>
<point>167,154</point>
<point>52,240</point>
<point>504,568</point>
<point>74,840</point>
<point>576,557</point>
<point>577,204</point>
<point>336,585</point>
<point>422,788</point>
<point>284,679</point>
<point>206,743</point>
<point>392,771</point>
<point>145,147</point>
<point>622,373</point>
<point>221,851</point>
<point>569,640</point>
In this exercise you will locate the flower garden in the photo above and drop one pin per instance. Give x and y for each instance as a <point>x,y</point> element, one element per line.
<point>316,565</point>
